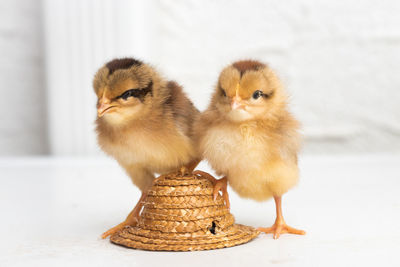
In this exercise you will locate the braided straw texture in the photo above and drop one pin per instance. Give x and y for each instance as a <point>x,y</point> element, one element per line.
<point>179,214</point>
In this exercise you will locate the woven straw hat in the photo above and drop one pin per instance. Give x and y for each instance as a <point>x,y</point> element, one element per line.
<point>179,214</point>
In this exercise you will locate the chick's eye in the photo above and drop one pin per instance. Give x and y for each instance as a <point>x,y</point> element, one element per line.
<point>125,95</point>
<point>128,93</point>
<point>223,92</point>
<point>257,94</point>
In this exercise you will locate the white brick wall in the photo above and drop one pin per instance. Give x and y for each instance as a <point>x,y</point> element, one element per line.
<point>340,61</point>
<point>22,93</point>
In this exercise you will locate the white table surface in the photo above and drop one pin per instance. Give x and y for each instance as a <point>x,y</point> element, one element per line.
<point>53,211</point>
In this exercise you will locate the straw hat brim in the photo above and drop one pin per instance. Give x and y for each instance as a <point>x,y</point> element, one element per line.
<point>138,238</point>
<point>181,214</point>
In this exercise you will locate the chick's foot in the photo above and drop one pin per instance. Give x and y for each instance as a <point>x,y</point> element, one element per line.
<point>118,228</point>
<point>131,220</point>
<point>219,185</point>
<point>281,228</point>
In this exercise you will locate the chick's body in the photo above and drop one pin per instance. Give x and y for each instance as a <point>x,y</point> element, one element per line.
<point>257,161</point>
<point>143,150</point>
<point>248,135</point>
<point>144,122</point>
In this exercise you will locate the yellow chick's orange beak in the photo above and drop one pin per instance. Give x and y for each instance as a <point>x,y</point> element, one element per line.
<point>103,109</point>
<point>237,100</point>
<point>235,104</point>
<point>103,106</point>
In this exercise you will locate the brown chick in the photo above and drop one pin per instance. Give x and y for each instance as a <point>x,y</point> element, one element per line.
<point>144,122</point>
<point>248,136</point>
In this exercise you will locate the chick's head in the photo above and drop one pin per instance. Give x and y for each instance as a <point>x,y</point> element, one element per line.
<point>125,90</point>
<point>248,90</point>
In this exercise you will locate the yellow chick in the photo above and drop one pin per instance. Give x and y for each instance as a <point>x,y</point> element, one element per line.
<point>248,135</point>
<point>144,122</point>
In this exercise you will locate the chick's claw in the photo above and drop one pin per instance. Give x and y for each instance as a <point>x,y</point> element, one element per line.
<point>114,230</point>
<point>205,175</point>
<point>281,228</point>
<point>130,221</point>
<point>219,185</point>
<point>222,185</point>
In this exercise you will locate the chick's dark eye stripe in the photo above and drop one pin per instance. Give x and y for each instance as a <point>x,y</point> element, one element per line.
<point>222,90</point>
<point>268,95</point>
<point>265,95</point>
<point>138,93</point>
<point>143,92</point>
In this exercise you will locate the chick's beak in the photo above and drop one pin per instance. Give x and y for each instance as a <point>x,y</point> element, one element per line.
<point>103,106</point>
<point>236,102</point>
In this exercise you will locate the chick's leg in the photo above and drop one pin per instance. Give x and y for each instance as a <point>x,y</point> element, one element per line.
<point>280,226</point>
<point>192,165</point>
<point>219,185</point>
<point>130,220</point>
